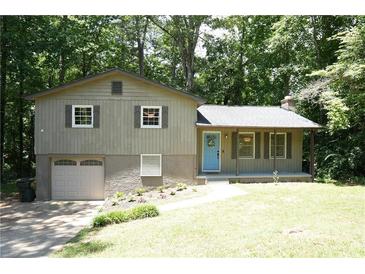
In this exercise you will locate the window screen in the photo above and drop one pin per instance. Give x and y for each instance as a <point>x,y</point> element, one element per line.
<point>280,145</point>
<point>246,145</point>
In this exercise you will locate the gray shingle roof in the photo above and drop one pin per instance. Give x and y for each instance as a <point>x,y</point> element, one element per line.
<point>251,116</point>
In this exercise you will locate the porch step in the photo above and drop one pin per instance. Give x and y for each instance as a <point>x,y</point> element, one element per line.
<point>216,181</point>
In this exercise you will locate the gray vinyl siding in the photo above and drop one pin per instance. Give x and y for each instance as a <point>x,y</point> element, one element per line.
<point>228,165</point>
<point>117,134</point>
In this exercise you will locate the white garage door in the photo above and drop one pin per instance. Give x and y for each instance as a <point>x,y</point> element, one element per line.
<point>77,179</point>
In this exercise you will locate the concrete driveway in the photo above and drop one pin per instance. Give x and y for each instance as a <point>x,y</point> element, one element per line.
<point>36,229</point>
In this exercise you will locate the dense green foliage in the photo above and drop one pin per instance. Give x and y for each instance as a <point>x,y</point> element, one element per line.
<point>116,217</point>
<point>243,60</point>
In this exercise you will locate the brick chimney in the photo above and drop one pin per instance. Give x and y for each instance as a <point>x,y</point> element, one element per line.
<point>288,103</point>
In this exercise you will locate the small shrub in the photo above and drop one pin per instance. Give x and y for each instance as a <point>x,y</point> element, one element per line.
<point>102,220</point>
<point>181,186</point>
<point>119,195</point>
<point>172,193</point>
<point>141,200</point>
<point>161,189</point>
<point>131,198</point>
<point>275,176</point>
<point>114,202</point>
<point>118,216</point>
<point>140,191</point>
<point>143,211</point>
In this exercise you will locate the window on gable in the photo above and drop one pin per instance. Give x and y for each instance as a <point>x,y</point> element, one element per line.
<point>280,145</point>
<point>82,116</point>
<point>246,145</point>
<point>150,117</point>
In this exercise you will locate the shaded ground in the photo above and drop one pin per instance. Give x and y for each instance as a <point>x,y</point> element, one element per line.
<point>36,229</point>
<point>271,220</point>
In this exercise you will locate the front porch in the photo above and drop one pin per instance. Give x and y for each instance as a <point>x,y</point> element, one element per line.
<point>259,177</point>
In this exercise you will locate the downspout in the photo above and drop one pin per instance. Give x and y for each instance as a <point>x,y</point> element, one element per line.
<point>274,149</point>
<point>237,153</point>
<point>311,149</point>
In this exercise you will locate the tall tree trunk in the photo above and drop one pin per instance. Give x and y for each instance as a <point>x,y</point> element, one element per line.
<point>141,39</point>
<point>84,66</point>
<point>31,156</point>
<point>3,64</point>
<point>62,73</point>
<point>140,45</point>
<point>21,123</point>
<point>62,68</point>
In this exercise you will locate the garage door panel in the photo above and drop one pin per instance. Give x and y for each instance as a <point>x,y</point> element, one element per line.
<point>78,182</point>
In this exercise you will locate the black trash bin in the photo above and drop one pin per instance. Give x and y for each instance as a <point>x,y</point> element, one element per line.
<point>26,189</point>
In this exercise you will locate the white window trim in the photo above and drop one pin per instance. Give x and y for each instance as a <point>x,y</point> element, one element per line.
<point>253,151</point>
<point>140,170</point>
<point>159,118</point>
<point>278,133</point>
<point>73,116</point>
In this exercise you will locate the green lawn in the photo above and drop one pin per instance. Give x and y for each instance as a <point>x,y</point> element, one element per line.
<point>284,220</point>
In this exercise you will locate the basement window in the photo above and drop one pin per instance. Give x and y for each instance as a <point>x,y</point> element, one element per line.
<point>151,164</point>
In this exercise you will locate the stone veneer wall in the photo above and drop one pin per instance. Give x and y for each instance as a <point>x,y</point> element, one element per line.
<point>122,173</point>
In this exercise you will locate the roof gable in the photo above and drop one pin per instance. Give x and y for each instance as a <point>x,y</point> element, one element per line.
<point>101,75</point>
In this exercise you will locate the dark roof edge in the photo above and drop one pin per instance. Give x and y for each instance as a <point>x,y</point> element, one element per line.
<point>317,126</point>
<point>101,74</point>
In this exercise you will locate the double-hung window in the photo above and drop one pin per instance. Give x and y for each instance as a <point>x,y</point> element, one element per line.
<point>280,145</point>
<point>82,116</point>
<point>151,116</point>
<point>247,145</point>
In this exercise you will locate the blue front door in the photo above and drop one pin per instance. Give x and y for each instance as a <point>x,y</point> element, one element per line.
<point>211,151</point>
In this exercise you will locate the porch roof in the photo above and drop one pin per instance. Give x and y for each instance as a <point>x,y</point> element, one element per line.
<point>251,116</point>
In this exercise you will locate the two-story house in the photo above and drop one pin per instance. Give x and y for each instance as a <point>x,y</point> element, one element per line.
<point>116,131</point>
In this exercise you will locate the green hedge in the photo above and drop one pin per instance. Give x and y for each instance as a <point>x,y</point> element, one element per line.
<point>116,217</point>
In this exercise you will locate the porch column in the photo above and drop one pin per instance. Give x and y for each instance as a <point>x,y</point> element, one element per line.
<point>237,153</point>
<point>311,152</point>
<point>274,149</point>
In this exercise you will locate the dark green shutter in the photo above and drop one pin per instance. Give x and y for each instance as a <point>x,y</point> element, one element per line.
<point>266,145</point>
<point>96,116</point>
<point>234,145</point>
<point>68,116</point>
<point>137,116</point>
<point>257,145</point>
<point>288,145</point>
<point>165,116</point>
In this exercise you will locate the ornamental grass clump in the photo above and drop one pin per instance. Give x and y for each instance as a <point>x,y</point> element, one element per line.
<point>181,186</point>
<point>122,216</point>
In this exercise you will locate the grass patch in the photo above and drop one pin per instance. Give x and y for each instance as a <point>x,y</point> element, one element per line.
<point>283,220</point>
<point>82,249</point>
